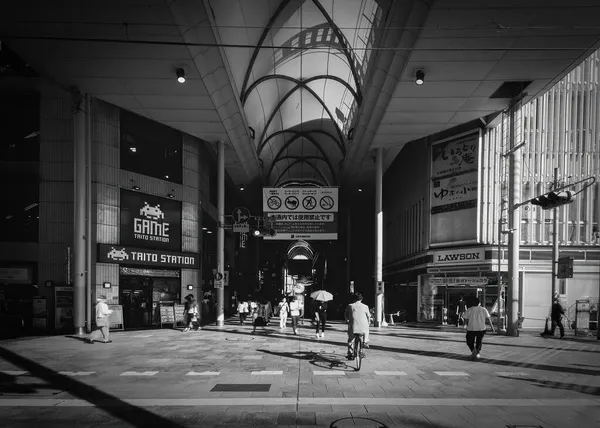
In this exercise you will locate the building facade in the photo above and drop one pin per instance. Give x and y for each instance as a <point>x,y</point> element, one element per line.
<point>153,213</point>
<point>454,241</point>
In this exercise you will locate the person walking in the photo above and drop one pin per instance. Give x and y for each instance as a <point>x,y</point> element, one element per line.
<point>320,316</point>
<point>475,317</point>
<point>102,322</point>
<point>295,313</point>
<point>192,314</point>
<point>461,308</point>
<point>556,315</point>
<point>284,310</point>
<point>260,318</point>
<point>358,317</point>
<point>242,311</point>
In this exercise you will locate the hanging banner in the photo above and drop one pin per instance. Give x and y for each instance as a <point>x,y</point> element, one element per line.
<point>309,213</point>
<point>300,199</point>
<point>149,221</point>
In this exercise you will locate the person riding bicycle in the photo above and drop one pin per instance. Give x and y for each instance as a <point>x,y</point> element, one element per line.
<point>357,316</point>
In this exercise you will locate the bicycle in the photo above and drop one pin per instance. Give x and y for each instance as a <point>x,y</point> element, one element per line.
<point>357,350</point>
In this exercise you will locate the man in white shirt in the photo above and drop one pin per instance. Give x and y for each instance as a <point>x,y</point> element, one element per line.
<point>295,308</point>
<point>102,321</point>
<point>475,318</point>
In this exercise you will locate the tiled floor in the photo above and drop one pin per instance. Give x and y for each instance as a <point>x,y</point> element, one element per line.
<point>411,377</point>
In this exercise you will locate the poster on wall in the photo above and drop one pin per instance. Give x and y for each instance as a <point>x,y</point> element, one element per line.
<point>150,221</point>
<point>454,193</point>
<point>309,213</point>
<point>454,190</point>
<point>455,156</point>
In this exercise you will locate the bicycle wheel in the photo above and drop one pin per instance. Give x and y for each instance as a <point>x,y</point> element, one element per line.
<point>358,351</point>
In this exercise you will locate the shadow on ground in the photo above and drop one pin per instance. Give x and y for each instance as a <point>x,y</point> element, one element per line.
<point>133,415</point>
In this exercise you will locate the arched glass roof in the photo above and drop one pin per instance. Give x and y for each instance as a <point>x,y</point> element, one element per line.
<point>301,83</point>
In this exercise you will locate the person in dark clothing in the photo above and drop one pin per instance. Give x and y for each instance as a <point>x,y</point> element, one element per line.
<point>320,316</point>
<point>461,308</point>
<point>556,316</point>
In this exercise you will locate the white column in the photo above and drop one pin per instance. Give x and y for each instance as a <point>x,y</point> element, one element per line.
<point>514,224</point>
<point>88,211</point>
<point>378,234</point>
<point>221,229</point>
<point>79,241</point>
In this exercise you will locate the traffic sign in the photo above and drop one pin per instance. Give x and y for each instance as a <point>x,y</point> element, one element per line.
<point>218,276</point>
<point>241,215</point>
<point>241,227</point>
<point>218,283</point>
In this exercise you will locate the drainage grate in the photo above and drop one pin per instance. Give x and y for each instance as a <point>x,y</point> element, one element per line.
<point>241,387</point>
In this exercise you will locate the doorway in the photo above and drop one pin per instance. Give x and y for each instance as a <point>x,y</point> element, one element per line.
<point>453,296</point>
<point>136,298</point>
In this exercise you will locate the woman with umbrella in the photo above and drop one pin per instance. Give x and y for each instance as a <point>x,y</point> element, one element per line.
<point>321,297</point>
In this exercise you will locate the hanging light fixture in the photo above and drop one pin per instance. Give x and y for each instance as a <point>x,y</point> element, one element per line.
<point>180,75</point>
<point>420,77</point>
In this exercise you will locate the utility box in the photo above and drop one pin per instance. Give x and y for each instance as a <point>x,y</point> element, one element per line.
<point>582,317</point>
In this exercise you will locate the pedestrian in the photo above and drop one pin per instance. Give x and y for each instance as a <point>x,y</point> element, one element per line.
<point>260,319</point>
<point>102,322</point>
<point>461,308</point>
<point>475,317</point>
<point>358,317</point>
<point>284,310</point>
<point>556,315</point>
<point>295,313</point>
<point>268,311</point>
<point>242,311</point>
<point>320,316</point>
<point>192,314</point>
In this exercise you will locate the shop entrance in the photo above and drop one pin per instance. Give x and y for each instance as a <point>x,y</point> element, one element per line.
<point>453,296</point>
<point>141,295</point>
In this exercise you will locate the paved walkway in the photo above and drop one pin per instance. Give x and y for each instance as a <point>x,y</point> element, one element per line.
<point>229,377</point>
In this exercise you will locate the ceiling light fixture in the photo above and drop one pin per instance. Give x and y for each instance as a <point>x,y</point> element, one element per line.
<point>359,189</point>
<point>133,149</point>
<point>134,186</point>
<point>180,75</point>
<point>242,187</point>
<point>204,228</point>
<point>208,231</point>
<point>171,195</point>
<point>420,77</point>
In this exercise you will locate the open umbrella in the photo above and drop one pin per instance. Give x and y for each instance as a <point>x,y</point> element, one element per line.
<point>322,295</point>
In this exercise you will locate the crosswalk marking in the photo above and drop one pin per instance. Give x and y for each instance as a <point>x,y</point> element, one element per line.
<point>451,373</point>
<point>13,372</point>
<point>512,374</point>
<point>203,374</point>
<point>138,373</point>
<point>328,373</point>
<point>389,373</point>
<point>76,373</point>
<point>267,372</point>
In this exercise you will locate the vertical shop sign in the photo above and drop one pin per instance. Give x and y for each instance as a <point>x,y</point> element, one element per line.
<point>454,189</point>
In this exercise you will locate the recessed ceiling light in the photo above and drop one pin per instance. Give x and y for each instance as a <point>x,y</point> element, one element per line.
<point>133,149</point>
<point>208,231</point>
<point>420,77</point>
<point>204,228</point>
<point>180,75</point>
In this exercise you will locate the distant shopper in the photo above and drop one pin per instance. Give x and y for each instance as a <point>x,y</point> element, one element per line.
<point>475,317</point>
<point>102,322</point>
<point>295,308</point>
<point>461,308</point>
<point>260,320</point>
<point>192,322</point>
<point>358,317</point>
<point>242,311</point>
<point>320,316</point>
<point>284,310</point>
<point>556,315</point>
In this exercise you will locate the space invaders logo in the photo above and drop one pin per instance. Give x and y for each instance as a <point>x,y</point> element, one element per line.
<point>150,221</point>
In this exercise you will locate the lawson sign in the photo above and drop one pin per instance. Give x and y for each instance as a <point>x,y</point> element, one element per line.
<point>459,256</point>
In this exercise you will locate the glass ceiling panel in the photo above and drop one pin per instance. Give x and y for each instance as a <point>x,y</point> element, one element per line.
<point>308,39</point>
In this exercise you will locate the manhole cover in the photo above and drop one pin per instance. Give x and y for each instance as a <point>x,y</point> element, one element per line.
<point>241,387</point>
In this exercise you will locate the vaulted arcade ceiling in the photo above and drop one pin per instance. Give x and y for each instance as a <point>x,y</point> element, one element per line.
<point>302,91</point>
